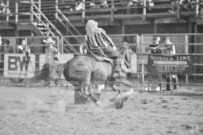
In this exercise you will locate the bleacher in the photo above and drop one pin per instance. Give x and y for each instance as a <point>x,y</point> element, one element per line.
<point>116,10</point>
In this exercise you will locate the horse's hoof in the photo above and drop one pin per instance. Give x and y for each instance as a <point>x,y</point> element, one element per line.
<point>119,106</point>
<point>112,99</point>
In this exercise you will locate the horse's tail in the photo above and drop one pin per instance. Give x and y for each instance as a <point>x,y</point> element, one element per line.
<point>42,75</point>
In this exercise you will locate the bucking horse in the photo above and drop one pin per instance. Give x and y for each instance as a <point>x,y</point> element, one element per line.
<point>85,70</point>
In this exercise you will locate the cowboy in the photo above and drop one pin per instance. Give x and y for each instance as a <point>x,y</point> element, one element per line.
<point>170,50</point>
<point>98,42</point>
<point>51,51</point>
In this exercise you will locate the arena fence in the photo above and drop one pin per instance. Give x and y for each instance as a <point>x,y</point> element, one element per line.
<point>12,64</point>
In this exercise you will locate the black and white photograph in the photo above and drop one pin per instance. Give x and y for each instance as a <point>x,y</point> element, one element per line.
<point>101,67</point>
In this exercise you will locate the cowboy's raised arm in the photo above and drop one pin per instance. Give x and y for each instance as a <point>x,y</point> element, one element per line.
<point>107,38</point>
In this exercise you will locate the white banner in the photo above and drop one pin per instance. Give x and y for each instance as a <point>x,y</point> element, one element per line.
<point>18,66</point>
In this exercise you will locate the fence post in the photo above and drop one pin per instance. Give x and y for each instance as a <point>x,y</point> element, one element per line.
<point>186,52</point>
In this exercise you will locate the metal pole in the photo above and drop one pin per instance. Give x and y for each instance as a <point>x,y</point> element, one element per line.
<point>16,12</point>
<point>186,52</point>
<point>31,11</point>
<point>39,4</point>
<point>83,10</point>
<point>7,8</point>
<point>112,10</point>
<point>57,7</point>
<point>144,9</point>
<point>197,8</point>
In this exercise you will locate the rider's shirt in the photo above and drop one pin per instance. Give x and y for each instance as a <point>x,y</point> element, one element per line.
<point>98,39</point>
<point>50,54</point>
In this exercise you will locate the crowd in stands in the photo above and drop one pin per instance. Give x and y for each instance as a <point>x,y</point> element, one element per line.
<point>133,6</point>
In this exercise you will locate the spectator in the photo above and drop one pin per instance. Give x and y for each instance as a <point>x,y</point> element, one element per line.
<point>182,5</point>
<point>4,49</point>
<point>154,47</point>
<point>79,5</point>
<point>103,3</point>
<point>4,10</point>
<point>149,4</point>
<point>23,48</point>
<point>133,6</point>
<point>6,46</point>
<point>170,50</point>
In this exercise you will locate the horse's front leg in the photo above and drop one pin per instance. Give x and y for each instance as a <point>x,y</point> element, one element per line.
<point>122,97</point>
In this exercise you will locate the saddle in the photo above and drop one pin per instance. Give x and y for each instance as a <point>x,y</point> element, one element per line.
<point>101,57</point>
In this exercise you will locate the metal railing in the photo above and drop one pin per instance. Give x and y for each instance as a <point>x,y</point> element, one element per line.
<point>187,44</point>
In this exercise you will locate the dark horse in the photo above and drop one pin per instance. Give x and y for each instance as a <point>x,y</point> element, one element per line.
<point>85,70</point>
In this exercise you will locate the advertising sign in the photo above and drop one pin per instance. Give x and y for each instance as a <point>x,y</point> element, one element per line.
<point>172,64</point>
<point>19,66</point>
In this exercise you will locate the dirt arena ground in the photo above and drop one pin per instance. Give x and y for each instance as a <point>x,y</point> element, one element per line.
<point>51,111</point>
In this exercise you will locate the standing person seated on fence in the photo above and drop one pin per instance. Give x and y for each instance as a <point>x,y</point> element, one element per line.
<point>170,50</point>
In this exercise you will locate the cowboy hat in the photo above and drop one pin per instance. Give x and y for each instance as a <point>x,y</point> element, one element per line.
<point>49,40</point>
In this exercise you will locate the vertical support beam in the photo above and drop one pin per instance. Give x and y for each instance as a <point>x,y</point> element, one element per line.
<point>144,9</point>
<point>178,11</point>
<point>7,8</point>
<point>123,32</point>
<point>39,6</point>
<point>197,8</point>
<point>112,10</point>
<point>142,62</point>
<point>16,12</point>
<point>155,28</point>
<point>62,45</point>
<point>186,52</point>
<point>57,8</point>
<point>83,10</point>
<point>195,49</point>
<point>31,11</point>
